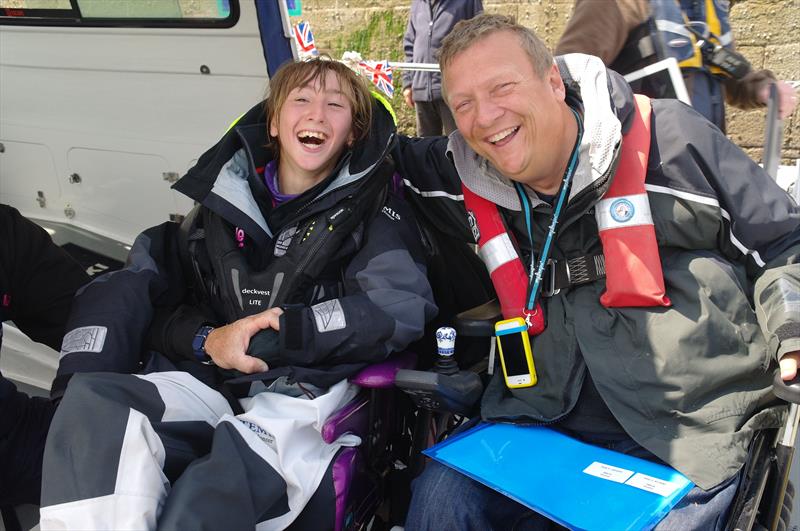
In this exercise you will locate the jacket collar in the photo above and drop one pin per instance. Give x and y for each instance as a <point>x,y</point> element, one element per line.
<point>225,179</point>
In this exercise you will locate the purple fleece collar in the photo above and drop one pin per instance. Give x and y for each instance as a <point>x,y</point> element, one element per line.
<point>271,178</point>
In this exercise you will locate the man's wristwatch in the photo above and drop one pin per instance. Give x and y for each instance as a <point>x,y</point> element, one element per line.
<point>199,344</point>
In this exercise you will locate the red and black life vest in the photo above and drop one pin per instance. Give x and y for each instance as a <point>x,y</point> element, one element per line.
<point>632,262</point>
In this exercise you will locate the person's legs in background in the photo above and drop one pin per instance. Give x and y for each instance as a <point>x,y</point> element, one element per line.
<point>428,121</point>
<point>448,122</point>
<point>434,118</point>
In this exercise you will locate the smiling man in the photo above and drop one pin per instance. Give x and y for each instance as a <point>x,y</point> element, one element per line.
<point>657,267</point>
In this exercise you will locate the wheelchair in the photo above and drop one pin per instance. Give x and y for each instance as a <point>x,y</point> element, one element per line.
<point>765,495</point>
<point>400,411</point>
<point>411,401</point>
<point>369,485</point>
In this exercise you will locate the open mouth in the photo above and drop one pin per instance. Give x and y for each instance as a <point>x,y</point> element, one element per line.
<point>311,138</point>
<point>503,136</point>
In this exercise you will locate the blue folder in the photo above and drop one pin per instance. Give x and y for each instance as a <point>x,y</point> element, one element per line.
<point>578,485</point>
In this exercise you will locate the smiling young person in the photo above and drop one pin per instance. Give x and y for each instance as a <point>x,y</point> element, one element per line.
<point>299,241</point>
<point>683,375</point>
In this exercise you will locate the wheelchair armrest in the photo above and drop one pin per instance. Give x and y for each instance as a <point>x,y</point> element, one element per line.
<point>479,321</point>
<point>788,391</point>
<point>455,393</point>
<point>381,375</point>
<point>352,418</point>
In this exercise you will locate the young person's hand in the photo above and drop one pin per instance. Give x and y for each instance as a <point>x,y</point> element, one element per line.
<point>788,364</point>
<point>227,345</point>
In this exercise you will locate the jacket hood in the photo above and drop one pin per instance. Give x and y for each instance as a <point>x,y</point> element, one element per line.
<point>225,179</point>
<point>605,102</point>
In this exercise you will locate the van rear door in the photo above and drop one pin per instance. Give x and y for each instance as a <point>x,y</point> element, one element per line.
<point>104,104</point>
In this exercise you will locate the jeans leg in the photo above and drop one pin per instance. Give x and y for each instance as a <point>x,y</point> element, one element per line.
<point>699,509</point>
<point>445,499</point>
<point>705,510</point>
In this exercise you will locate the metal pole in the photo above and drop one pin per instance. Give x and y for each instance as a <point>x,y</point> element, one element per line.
<point>773,136</point>
<point>422,67</point>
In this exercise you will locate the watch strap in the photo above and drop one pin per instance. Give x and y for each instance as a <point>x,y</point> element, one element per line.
<point>199,343</point>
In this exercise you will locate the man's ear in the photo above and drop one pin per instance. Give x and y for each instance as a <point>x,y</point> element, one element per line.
<point>556,83</point>
<point>351,138</point>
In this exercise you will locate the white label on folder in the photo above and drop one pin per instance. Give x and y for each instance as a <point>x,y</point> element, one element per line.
<point>651,484</point>
<point>611,473</point>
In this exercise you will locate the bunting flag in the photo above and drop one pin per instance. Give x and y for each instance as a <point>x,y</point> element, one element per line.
<point>295,7</point>
<point>305,40</point>
<point>380,73</point>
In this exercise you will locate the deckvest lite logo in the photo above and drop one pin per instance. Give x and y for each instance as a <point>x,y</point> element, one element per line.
<point>622,210</point>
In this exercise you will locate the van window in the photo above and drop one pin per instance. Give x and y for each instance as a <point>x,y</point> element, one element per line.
<point>131,13</point>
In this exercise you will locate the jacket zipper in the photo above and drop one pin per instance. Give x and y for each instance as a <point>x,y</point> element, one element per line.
<point>430,50</point>
<point>317,246</point>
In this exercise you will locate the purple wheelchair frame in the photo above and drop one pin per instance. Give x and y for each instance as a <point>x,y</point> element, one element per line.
<point>357,492</point>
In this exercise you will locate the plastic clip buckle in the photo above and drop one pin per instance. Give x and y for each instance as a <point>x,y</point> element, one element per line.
<point>549,285</point>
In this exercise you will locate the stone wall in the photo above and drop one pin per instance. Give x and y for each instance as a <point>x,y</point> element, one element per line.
<point>767,33</point>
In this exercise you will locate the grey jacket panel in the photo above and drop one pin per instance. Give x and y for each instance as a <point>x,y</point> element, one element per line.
<point>428,23</point>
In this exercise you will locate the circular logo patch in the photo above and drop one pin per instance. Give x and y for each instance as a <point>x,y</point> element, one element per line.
<point>622,210</point>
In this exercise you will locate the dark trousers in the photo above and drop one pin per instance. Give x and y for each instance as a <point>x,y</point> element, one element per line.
<point>24,422</point>
<point>434,118</point>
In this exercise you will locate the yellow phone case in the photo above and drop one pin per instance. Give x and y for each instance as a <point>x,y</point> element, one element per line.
<point>507,327</point>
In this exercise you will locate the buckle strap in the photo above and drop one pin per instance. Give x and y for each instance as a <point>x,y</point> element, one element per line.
<point>561,274</point>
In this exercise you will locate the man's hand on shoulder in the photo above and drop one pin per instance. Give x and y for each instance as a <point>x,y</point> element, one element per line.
<point>227,345</point>
<point>788,364</point>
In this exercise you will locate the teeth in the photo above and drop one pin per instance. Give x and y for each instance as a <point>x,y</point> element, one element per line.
<point>502,134</point>
<point>311,134</point>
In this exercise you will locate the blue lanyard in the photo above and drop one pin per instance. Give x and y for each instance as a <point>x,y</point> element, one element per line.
<point>535,279</point>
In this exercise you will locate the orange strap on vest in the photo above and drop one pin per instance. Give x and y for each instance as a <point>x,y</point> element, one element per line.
<point>633,264</point>
<point>500,256</point>
<point>632,261</point>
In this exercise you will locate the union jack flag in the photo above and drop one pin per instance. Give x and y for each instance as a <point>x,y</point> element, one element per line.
<point>305,39</point>
<point>380,73</point>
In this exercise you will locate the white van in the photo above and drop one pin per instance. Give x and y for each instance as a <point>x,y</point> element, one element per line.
<point>104,104</point>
